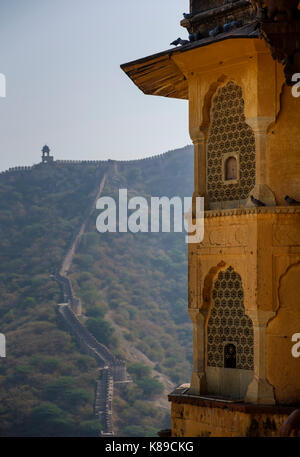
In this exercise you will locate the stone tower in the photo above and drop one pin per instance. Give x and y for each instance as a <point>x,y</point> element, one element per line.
<point>46,157</point>
<point>244,277</point>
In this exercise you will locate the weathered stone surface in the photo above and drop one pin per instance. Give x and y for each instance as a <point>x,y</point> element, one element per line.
<point>213,419</point>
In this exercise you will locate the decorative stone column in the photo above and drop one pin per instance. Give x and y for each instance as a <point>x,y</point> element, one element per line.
<point>260,391</point>
<point>261,190</point>
<point>200,168</point>
<point>198,382</point>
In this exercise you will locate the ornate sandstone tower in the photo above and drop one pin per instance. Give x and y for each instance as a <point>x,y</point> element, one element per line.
<point>244,278</point>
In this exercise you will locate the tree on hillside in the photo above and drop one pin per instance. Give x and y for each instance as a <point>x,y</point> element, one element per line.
<point>102,330</point>
<point>138,370</point>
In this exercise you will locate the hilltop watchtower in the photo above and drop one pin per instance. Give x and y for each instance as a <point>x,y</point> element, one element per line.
<point>244,277</point>
<point>46,157</point>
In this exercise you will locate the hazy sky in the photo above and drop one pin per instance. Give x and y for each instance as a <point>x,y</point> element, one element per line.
<point>61,59</point>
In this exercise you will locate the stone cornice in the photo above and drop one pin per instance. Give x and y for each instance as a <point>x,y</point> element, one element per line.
<point>208,402</point>
<point>254,210</point>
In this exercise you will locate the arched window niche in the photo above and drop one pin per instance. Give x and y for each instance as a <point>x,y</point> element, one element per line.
<point>229,338</point>
<point>230,355</point>
<point>231,168</point>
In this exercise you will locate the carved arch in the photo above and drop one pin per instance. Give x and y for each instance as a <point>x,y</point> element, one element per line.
<point>227,322</point>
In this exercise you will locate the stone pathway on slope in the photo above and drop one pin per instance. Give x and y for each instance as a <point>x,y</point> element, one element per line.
<point>110,369</point>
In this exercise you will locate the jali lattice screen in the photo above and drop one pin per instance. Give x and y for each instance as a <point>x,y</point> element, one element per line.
<point>228,322</point>
<point>229,133</point>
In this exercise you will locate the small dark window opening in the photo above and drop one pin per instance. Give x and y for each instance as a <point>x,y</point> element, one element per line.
<point>231,169</point>
<point>230,356</point>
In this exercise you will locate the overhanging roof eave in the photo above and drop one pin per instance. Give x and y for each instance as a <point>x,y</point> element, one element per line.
<point>158,74</point>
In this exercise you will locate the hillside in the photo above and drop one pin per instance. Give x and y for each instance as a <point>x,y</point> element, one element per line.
<point>133,289</point>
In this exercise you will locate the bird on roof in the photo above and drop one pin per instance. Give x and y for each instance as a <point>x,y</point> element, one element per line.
<point>291,201</point>
<point>231,25</point>
<point>179,41</point>
<point>215,31</point>
<point>195,36</point>
<point>257,202</point>
<point>227,27</point>
<point>235,24</point>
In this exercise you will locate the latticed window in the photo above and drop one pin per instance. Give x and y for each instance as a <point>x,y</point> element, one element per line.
<point>230,340</point>
<point>229,134</point>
